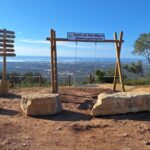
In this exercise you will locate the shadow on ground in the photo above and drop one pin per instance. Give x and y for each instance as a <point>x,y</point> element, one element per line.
<point>8,112</point>
<point>141,116</point>
<point>67,115</point>
<point>11,96</point>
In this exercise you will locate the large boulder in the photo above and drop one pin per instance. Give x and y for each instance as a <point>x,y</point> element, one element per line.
<point>120,103</point>
<point>41,104</point>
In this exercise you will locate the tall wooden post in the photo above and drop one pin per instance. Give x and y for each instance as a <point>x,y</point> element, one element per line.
<point>6,45</point>
<point>54,80</point>
<point>118,63</point>
<point>4,57</point>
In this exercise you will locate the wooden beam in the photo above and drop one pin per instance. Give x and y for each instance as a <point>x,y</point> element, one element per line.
<point>7,50</point>
<point>52,60</point>
<point>101,41</point>
<point>7,54</point>
<point>118,63</point>
<point>7,31</point>
<point>6,45</point>
<point>55,64</point>
<point>7,36</point>
<point>54,79</point>
<point>116,68</point>
<point>7,41</point>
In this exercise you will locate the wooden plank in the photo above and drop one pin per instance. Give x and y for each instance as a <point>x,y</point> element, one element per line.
<point>7,50</point>
<point>8,54</point>
<point>6,45</point>
<point>7,36</point>
<point>99,41</point>
<point>6,40</point>
<point>6,31</point>
<point>116,68</point>
<point>55,64</point>
<point>118,65</point>
<point>52,61</point>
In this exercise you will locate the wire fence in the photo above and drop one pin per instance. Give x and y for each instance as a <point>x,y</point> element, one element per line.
<point>67,80</point>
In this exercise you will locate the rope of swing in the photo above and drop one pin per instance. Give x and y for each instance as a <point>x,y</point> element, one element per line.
<point>95,65</point>
<point>75,67</point>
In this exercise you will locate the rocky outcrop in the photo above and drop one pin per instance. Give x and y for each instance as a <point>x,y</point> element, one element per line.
<point>41,104</point>
<point>120,103</point>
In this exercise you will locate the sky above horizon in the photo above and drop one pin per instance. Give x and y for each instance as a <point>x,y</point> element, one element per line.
<point>32,20</point>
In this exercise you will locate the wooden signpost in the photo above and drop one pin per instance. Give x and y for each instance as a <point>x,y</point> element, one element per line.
<point>85,37</point>
<point>6,49</point>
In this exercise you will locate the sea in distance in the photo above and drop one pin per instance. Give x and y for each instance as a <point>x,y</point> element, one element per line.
<point>66,65</point>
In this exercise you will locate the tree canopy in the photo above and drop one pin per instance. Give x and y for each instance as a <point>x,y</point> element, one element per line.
<point>136,68</point>
<point>142,46</point>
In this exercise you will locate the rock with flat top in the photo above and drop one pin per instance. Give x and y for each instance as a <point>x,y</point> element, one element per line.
<point>121,103</point>
<point>41,104</point>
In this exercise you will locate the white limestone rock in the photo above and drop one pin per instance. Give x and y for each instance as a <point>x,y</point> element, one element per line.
<point>41,104</point>
<point>121,103</point>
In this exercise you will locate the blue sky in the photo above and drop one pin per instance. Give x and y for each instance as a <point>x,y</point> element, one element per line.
<point>33,19</point>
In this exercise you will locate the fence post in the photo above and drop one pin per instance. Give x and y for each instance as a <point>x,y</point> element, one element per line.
<point>69,80</point>
<point>11,80</point>
<point>90,79</point>
<point>40,80</point>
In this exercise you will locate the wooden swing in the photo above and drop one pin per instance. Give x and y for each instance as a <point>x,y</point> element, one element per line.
<point>53,40</point>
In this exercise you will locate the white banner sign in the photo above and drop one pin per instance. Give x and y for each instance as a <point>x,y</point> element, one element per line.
<point>86,36</point>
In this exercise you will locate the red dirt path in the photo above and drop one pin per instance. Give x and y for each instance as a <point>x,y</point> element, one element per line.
<point>74,128</point>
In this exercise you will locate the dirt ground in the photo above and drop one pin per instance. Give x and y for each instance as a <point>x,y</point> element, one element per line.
<point>74,128</point>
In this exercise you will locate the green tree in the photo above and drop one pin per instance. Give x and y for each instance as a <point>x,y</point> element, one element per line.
<point>136,68</point>
<point>142,46</point>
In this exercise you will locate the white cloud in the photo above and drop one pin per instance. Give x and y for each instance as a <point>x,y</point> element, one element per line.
<point>19,32</point>
<point>33,41</point>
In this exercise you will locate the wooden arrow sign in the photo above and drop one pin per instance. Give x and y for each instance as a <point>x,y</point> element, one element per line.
<point>7,41</point>
<point>7,50</point>
<point>7,31</point>
<point>6,45</point>
<point>7,36</point>
<point>8,54</point>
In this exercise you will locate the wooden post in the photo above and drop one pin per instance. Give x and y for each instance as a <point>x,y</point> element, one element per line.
<point>118,63</point>
<point>69,80</point>
<point>40,80</point>
<point>12,80</point>
<point>4,57</point>
<point>54,79</point>
<point>90,79</point>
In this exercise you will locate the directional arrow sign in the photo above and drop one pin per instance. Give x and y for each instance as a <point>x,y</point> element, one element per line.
<point>7,50</point>
<point>7,31</point>
<point>6,45</point>
<point>8,54</point>
<point>7,36</point>
<point>7,41</point>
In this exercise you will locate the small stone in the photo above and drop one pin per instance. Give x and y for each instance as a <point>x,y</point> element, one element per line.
<point>125,135</point>
<point>124,122</point>
<point>24,144</point>
<point>93,137</point>
<point>59,128</point>
<point>140,138</point>
<point>147,142</point>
